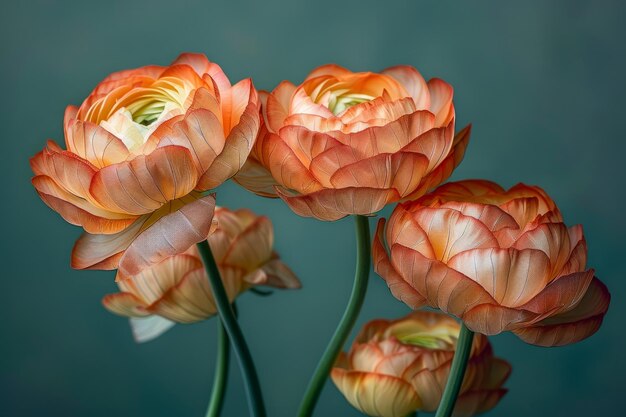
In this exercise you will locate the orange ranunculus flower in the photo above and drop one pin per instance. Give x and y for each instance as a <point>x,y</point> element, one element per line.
<point>177,288</point>
<point>499,260</point>
<point>397,367</point>
<point>140,150</point>
<point>347,142</point>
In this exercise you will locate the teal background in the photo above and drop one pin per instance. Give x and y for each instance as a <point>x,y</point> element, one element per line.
<point>541,81</point>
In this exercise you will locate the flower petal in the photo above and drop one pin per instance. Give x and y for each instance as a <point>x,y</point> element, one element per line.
<point>199,131</point>
<point>189,301</point>
<point>306,144</point>
<point>524,210</point>
<point>441,101</point>
<point>78,211</point>
<point>235,101</point>
<point>276,108</point>
<point>562,294</point>
<point>256,178</point>
<point>198,62</point>
<point>491,216</point>
<point>552,239</point>
<point>511,276</point>
<point>68,171</point>
<point>376,394</point>
<point>170,235</point>
<point>382,265</point>
<point>99,251</point>
<point>285,166</point>
<point>147,182</point>
<point>95,144</point>
<point>238,145</point>
<point>434,144</point>
<point>390,137</point>
<point>152,282</point>
<point>125,304</point>
<point>401,171</point>
<point>149,328</point>
<point>445,169</point>
<point>490,318</point>
<point>274,274</point>
<point>450,232</point>
<point>572,326</point>
<point>329,204</point>
<point>477,402</point>
<point>441,286</point>
<point>578,258</point>
<point>413,82</point>
<point>328,69</point>
<point>252,246</point>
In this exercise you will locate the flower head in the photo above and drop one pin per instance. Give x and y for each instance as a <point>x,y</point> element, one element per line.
<point>177,288</point>
<point>499,260</point>
<point>139,151</point>
<point>346,142</point>
<point>397,367</point>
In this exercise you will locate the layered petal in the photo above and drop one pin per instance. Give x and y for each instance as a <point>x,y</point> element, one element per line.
<point>143,244</point>
<point>94,144</point>
<point>330,204</point>
<point>376,394</point>
<point>400,288</point>
<point>145,183</point>
<point>200,132</point>
<point>574,325</point>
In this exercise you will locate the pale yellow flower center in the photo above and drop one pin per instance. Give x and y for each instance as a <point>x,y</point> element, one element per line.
<point>440,338</point>
<point>134,116</point>
<point>341,100</point>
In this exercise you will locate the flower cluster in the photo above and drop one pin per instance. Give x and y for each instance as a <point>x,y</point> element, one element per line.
<point>148,146</point>
<point>177,290</point>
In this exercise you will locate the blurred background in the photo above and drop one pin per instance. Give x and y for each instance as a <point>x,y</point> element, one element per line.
<point>542,83</point>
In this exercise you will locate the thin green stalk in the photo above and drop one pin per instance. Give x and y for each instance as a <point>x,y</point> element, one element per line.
<point>347,321</point>
<point>227,316</point>
<point>221,373</point>
<point>457,372</point>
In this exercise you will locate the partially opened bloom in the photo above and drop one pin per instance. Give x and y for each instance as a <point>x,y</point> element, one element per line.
<point>397,367</point>
<point>348,142</point>
<point>177,288</point>
<point>139,151</point>
<point>499,260</point>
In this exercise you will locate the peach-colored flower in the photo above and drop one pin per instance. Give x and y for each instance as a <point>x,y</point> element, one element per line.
<point>177,288</point>
<point>346,143</point>
<point>397,367</point>
<point>140,150</point>
<point>499,260</point>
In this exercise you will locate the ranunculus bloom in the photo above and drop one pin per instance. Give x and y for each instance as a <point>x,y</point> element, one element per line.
<point>397,367</point>
<point>346,143</point>
<point>140,150</point>
<point>177,288</point>
<point>499,260</point>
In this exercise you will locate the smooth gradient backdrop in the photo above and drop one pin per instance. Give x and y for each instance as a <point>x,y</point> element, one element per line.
<point>542,82</point>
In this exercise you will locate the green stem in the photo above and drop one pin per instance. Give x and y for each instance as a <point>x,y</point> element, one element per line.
<point>227,316</point>
<point>346,324</point>
<point>457,372</point>
<point>221,373</point>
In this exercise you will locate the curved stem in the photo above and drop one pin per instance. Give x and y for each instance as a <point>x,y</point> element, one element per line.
<point>347,321</point>
<point>227,316</point>
<point>457,372</point>
<point>221,373</point>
